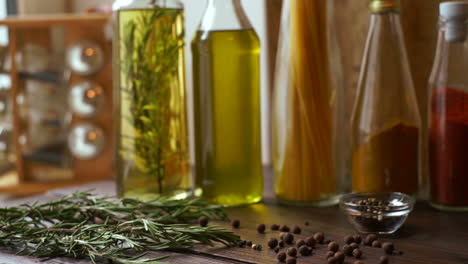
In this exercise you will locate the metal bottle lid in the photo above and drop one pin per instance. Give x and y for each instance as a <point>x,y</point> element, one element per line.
<point>455,16</point>
<point>383,6</point>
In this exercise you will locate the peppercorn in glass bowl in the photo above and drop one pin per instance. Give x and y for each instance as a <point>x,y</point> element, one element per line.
<point>380,213</point>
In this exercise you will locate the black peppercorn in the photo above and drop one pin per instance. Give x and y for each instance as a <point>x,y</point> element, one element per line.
<point>203,221</point>
<point>277,249</point>
<point>347,250</point>
<point>333,246</point>
<point>340,256</point>
<point>329,254</point>
<point>348,239</point>
<point>310,241</point>
<point>319,237</point>
<point>297,230</point>
<point>235,223</point>
<point>357,239</point>
<point>292,251</point>
<point>305,250</point>
<point>369,239</point>
<point>281,257</point>
<point>291,260</point>
<point>354,245</point>
<point>376,244</point>
<point>357,253</point>
<point>388,247</point>
<point>281,244</point>
<point>261,228</point>
<point>288,238</point>
<point>300,243</point>
<point>272,243</point>
<point>274,227</point>
<point>284,228</point>
<point>383,260</point>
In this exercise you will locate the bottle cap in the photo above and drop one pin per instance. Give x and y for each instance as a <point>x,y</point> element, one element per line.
<point>455,16</point>
<point>456,10</point>
<point>382,6</point>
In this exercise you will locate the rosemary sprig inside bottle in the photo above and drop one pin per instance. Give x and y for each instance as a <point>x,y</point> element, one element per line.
<point>81,225</point>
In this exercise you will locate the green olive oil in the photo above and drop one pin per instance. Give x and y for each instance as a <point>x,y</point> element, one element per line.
<point>227,116</point>
<point>152,138</point>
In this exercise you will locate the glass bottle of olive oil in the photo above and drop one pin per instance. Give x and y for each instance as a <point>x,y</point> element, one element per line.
<point>152,154</point>
<point>226,68</point>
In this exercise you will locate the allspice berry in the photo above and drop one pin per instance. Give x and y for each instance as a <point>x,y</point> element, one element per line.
<point>358,262</point>
<point>305,250</point>
<point>369,239</point>
<point>235,223</point>
<point>300,243</point>
<point>357,239</point>
<point>354,245</point>
<point>291,260</point>
<point>274,227</point>
<point>384,260</point>
<point>261,228</point>
<point>310,241</point>
<point>272,243</point>
<point>292,251</point>
<point>332,260</point>
<point>284,228</point>
<point>277,249</point>
<point>297,230</point>
<point>348,239</point>
<point>288,239</point>
<point>340,256</point>
<point>319,237</point>
<point>281,244</point>
<point>329,254</point>
<point>347,250</point>
<point>376,244</point>
<point>203,221</point>
<point>357,253</point>
<point>388,247</point>
<point>281,257</point>
<point>333,246</point>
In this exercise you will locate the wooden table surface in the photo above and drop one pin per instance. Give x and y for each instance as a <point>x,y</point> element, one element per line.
<point>428,237</point>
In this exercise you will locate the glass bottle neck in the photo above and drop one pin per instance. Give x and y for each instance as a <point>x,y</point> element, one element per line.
<point>224,15</point>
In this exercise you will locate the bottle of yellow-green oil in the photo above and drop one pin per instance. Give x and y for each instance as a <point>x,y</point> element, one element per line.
<point>226,68</point>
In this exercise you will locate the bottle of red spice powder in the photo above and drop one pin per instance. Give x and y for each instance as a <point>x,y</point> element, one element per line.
<point>449,111</point>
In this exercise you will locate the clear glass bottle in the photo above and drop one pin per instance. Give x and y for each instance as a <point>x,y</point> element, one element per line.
<point>306,107</point>
<point>448,111</point>
<point>226,70</point>
<point>385,121</point>
<point>152,153</point>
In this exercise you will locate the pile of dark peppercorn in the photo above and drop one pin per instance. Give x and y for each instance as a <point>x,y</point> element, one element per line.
<point>374,217</point>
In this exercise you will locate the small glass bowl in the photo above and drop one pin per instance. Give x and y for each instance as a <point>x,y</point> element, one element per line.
<point>378,213</point>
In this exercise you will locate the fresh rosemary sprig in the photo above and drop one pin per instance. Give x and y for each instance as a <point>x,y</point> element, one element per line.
<point>81,225</point>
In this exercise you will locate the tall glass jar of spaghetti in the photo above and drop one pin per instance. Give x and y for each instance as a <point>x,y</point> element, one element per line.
<point>307,168</point>
<point>449,110</point>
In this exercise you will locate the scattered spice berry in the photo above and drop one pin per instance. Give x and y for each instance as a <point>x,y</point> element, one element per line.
<point>348,239</point>
<point>257,247</point>
<point>300,243</point>
<point>333,246</point>
<point>347,250</point>
<point>357,253</point>
<point>292,251</point>
<point>369,239</point>
<point>277,249</point>
<point>354,245</point>
<point>248,243</point>
<point>305,250</point>
<point>281,244</point>
<point>291,260</point>
<point>319,237</point>
<point>272,243</point>
<point>383,260</point>
<point>274,227</point>
<point>376,244</point>
<point>281,235</point>
<point>307,223</point>
<point>332,260</point>
<point>203,221</point>
<point>357,239</point>
<point>329,254</point>
<point>281,257</point>
<point>358,262</point>
<point>297,230</point>
<point>388,247</point>
<point>310,241</point>
<point>261,228</point>
<point>326,241</point>
<point>242,243</point>
<point>235,223</point>
<point>288,239</point>
<point>340,256</point>
<point>284,228</point>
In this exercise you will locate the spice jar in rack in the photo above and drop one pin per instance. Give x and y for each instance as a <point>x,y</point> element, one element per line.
<point>449,110</point>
